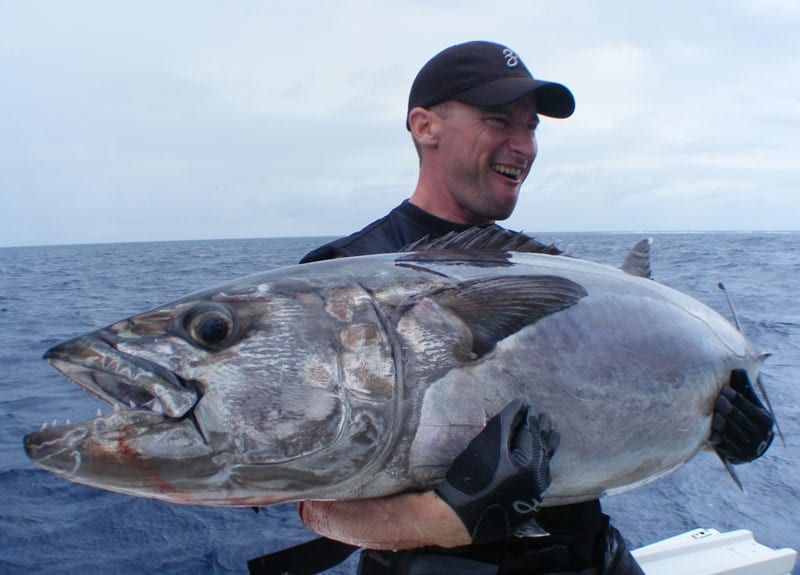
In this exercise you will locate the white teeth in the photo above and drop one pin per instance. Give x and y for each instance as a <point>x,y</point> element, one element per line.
<point>99,414</point>
<point>507,170</point>
<point>44,426</point>
<point>55,422</point>
<point>116,407</point>
<point>68,422</point>
<point>131,404</point>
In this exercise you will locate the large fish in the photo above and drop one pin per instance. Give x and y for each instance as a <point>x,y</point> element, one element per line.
<point>366,376</point>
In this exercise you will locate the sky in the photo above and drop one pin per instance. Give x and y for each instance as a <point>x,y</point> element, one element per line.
<point>182,120</point>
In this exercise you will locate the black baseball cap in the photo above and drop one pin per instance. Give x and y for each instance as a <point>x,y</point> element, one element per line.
<point>485,74</point>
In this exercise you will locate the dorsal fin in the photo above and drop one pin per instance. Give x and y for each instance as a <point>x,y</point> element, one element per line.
<point>489,238</point>
<point>497,307</point>
<point>638,261</point>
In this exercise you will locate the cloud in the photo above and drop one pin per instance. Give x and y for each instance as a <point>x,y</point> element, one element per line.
<point>186,120</point>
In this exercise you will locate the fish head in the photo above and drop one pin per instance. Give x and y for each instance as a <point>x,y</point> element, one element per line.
<point>241,395</point>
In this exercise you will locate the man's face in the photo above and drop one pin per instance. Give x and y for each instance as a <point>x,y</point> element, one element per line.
<point>486,154</point>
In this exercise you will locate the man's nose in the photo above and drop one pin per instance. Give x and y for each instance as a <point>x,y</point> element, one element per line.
<point>523,142</point>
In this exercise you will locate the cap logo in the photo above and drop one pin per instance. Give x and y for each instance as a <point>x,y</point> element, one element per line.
<point>511,58</point>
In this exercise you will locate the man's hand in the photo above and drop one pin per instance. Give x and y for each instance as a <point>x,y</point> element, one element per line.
<point>493,487</point>
<point>742,427</point>
<point>496,484</point>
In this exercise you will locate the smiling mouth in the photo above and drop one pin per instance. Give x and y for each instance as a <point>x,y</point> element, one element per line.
<point>511,172</point>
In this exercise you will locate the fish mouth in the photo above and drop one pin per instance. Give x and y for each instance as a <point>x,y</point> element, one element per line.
<point>128,450</point>
<point>121,380</point>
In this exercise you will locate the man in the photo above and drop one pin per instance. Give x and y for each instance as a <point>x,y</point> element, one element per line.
<point>472,113</point>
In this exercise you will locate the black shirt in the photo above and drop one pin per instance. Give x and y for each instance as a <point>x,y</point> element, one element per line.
<point>403,225</point>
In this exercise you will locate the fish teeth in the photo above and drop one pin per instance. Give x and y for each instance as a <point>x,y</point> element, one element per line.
<point>44,426</point>
<point>99,413</point>
<point>155,406</point>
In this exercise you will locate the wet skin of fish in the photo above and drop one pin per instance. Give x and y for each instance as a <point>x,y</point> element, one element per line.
<point>366,376</point>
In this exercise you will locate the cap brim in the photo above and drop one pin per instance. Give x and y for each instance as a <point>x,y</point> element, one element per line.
<point>552,99</point>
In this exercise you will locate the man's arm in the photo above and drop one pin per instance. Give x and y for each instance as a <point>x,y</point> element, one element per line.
<point>402,521</point>
<point>493,487</point>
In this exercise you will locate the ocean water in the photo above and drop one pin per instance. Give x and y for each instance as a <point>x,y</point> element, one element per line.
<point>49,294</point>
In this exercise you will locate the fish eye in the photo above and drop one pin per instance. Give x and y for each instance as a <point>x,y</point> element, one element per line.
<point>209,326</point>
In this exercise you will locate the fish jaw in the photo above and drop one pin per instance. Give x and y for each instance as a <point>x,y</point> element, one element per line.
<point>144,454</point>
<point>146,445</point>
<point>114,452</point>
<point>189,460</point>
<point>120,379</point>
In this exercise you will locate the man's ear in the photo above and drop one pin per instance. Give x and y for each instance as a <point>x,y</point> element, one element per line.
<point>424,125</point>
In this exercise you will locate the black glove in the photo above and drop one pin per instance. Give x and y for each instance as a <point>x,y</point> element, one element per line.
<point>742,427</point>
<point>495,485</point>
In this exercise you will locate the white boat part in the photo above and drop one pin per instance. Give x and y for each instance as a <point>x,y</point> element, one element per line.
<point>709,552</point>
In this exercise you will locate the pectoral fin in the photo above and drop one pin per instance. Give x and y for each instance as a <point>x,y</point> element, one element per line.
<point>495,308</point>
